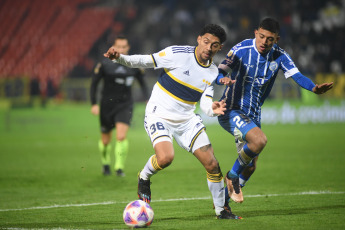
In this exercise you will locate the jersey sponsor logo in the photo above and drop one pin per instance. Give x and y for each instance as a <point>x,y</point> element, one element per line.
<point>273,66</point>
<point>248,66</point>
<point>128,81</point>
<point>229,61</point>
<point>259,80</point>
<point>120,70</point>
<point>237,46</point>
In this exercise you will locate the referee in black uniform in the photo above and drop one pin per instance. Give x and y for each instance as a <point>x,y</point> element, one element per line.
<point>116,106</point>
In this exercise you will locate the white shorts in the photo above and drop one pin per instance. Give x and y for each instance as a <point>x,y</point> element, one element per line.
<point>189,134</point>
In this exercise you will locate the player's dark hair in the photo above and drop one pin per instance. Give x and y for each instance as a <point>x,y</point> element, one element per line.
<point>270,24</point>
<point>214,30</point>
<point>120,37</point>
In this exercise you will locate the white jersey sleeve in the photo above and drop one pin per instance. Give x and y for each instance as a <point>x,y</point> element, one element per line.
<point>165,59</point>
<point>206,102</point>
<point>135,61</point>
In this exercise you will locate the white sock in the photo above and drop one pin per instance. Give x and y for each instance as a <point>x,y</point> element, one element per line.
<point>150,168</point>
<point>216,186</point>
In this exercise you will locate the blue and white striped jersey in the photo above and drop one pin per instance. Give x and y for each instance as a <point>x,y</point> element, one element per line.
<point>255,75</point>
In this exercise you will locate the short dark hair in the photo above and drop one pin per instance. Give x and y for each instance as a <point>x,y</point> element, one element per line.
<point>120,37</point>
<point>214,30</point>
<point>270,24</point>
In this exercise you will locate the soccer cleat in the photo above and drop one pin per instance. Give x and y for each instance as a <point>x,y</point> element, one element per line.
<point>228,215</point>
<point>120,173</point>
<point>144,191</point>
<point>106,170</point>
<point>234,188</point>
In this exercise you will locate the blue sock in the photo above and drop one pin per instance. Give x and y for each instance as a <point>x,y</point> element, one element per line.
<point>243,180</point>
<point>249,152</point>
<point>240,164</point>
<point>237,168</point>
<point>227,198</point>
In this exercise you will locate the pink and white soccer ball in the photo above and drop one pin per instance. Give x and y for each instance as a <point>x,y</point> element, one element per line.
<point>138,214</point>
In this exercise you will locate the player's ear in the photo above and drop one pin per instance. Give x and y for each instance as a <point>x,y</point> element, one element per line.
<point>198,39</point>
<point>278,37</point>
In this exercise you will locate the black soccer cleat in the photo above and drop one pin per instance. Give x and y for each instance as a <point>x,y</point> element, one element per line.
<point>120,173</point>
<point>144,191</point>
<point>106,170</point>
<point>227,214</point>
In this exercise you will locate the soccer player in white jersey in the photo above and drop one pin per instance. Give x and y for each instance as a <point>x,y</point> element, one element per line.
<point>254,64</point>
<point>186,79</point>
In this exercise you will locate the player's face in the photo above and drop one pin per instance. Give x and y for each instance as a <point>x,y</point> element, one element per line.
<point>208,46</point>
<point>265,40</point>
<point>122,46</point>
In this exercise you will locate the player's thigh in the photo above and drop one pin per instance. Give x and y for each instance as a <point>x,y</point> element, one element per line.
<point>191,135</point>
<point>157,129</point>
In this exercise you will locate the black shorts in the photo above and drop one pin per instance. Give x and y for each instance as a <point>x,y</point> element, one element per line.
<point>112,113</point>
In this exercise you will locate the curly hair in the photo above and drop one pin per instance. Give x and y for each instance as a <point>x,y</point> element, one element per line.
<point>215,30</point>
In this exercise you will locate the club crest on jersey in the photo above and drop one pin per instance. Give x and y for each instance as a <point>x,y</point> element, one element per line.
<point>273,66</point>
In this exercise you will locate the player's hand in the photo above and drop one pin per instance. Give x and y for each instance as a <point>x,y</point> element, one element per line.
<point>226,81</point>
<point>323,88</point>
<point>95,110</point>
<point>112,54</point>
<point>218,107</point>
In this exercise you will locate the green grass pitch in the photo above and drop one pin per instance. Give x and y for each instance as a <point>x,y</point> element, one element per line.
<point>50,176</point>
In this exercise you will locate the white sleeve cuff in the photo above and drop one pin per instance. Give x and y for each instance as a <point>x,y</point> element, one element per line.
<point>135,61</point>
<point>206,105</point>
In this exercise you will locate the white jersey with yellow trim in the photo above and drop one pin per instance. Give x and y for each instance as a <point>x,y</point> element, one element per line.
<point>181,84</point>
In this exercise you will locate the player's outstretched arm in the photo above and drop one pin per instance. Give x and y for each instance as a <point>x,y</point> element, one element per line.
<point>323,88</point>
<point>112,54</point>
<point>131,61</point>
<point>218,107</point>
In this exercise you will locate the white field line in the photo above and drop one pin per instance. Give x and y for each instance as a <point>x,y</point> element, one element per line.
<point>169,200</point>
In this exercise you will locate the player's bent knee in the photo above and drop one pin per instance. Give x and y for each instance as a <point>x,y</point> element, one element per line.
<point>259,144</point>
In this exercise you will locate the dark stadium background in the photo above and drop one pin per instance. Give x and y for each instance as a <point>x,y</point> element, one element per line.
<point>48,48</point>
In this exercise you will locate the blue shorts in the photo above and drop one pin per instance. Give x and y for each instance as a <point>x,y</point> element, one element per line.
<point>237,123</point>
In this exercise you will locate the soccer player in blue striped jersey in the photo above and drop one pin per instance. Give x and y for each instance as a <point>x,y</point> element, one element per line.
<point>187,77</point>
<point>253,65</point>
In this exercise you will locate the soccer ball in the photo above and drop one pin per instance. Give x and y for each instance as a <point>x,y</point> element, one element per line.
<point>138,214</point>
